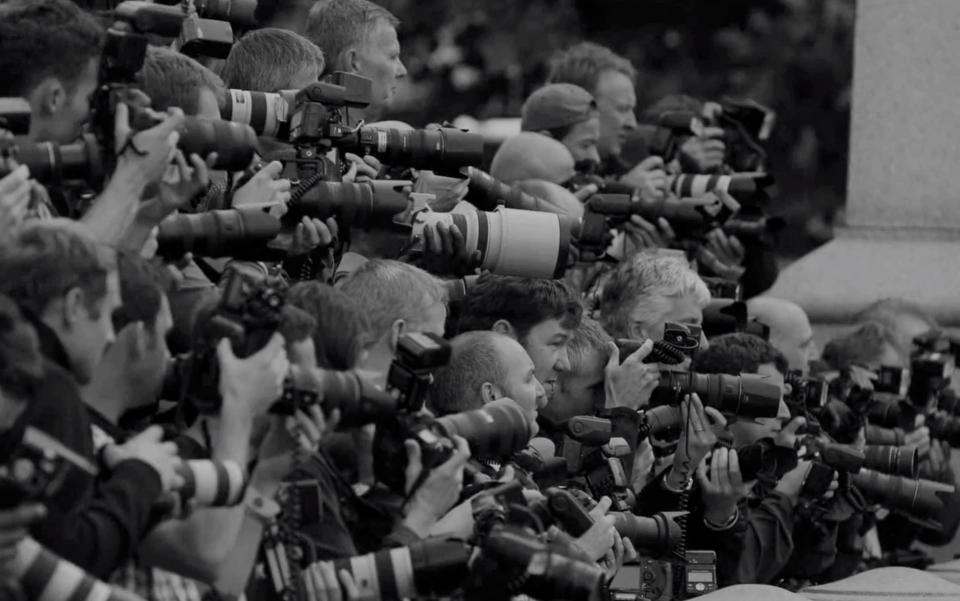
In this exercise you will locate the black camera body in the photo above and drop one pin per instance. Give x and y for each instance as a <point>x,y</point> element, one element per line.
<point>411,372</point>
<point>248,314</point>
<point>15,116</point>
<point>807,392</point>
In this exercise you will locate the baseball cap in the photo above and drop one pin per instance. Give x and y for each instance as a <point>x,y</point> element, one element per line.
<point>556,105</point>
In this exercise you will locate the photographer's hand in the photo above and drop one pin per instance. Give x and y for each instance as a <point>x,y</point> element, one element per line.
<point>724,487</point>
<point>439,490</point>
<point>643,235</point>
<point>249,386</point>
<point>361,169</point>
<point>632,383</point>
<point>649,177</point>
<point>697,438</point>
<point>445,251</point>
<point>787,437</point>
<point>265,190</point>
<point>792,482</point>
<point>706,152</point>
<point>920,438</point>
<point>600,538</point>
<point>324,583</point>
<point>722,254</point>
<point>309,234</point>
<point>14,527</point>
<point>148,447</point>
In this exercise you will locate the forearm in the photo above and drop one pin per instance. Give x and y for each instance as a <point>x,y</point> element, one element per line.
<point>135,235</point>
<point>115,208</point>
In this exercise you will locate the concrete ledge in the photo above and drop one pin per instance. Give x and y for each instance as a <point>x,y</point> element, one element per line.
<point>885,584</point>
<point>843,276</point>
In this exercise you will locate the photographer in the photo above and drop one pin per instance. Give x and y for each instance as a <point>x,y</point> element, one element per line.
<point>774,513</point>
<point>50,55</point>
<point>539,314</point>
<point>67,286</point>
<point>646,292</point>
<point>566,113</point>
<point>485,366</point>
<point>358,36</point>
<point>272,60</point>
<point>790,331</point>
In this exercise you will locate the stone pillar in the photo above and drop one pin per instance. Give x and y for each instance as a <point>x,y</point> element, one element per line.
<point>902,236</point>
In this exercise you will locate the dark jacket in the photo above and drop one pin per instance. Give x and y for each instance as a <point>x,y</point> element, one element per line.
<point>94,523</point>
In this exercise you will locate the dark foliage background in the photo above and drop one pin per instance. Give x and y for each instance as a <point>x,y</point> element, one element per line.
<point>482,57</point>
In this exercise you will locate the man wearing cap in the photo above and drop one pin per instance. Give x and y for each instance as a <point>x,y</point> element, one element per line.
<point>567,113</point>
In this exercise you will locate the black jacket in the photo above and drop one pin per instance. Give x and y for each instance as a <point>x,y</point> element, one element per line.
<point>94,523</point>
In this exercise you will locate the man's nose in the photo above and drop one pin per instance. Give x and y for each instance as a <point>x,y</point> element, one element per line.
<point>563,361</point>
<point>401,70</point>
<point>631,121</point>
<point>541,396</point>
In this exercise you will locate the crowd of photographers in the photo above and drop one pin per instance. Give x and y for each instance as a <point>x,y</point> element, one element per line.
<point>254,342</point>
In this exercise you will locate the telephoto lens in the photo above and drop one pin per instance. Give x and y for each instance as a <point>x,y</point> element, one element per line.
<point>368,205</point>
<point>211,483</point>
<point>840,457</point>
<point>921,498</point>
<point>44,576</point>
<point>444,151</point>
<point>654,536</point>
<point>266,112</point>
<point>893,460</point>
<point>51,163</point>
<point>236,233</point>
<point>892,414</point>
<point>494,192</point>
<point>427,568</point>
<point>660,422</point>
<point>760,457</point>
<point>359,400</point>
<point>494,432</point>
<point>543,573</point>
<point>511,242</point>
<point>746,395</point>
<point>687,185</point>
<point>877,435</point>
<point>235,143</point>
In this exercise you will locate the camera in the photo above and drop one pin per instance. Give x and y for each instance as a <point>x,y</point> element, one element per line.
<point>241,234</point>
<point>725,316</point>
<point>510,241</point>
<point>877,435</point>
<point>494,432</point>
<point>43,575</point>
<point>747,395</point>
<point>211,483</point>
<point>746,123</point>
<point>54,164</point>
<point>266,112</point>
<point>431,567</point>
<point>807,392</point>
<point>15,116</point>
<point>248,314</point>
<point>921,498</point>
<point>930,373</point>
<point>654,536</point>
<point>892,380</point>
<point>38,468</point>
<point>411,372</point>
<point>740,185</point>
<point>893,460</point>
<point>239,13</point>
<point>359,400</point>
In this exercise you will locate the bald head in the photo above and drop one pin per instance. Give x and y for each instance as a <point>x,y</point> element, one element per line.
<point>790,330</point>
<point>559,199</point>
<point>532,156</point>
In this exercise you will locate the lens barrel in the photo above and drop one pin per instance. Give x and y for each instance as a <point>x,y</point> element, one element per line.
<point>877,435</point>
<point>654,536</point>
<point>496,431</point>
<point>364,206</point>
<point>444,151</point>
<point>894,460</point>
<point>360,402</point>
<point>746,395</point>
<point>236,233</point>
<point>211,483</point>
<point>43,575</point>
<point>52,163</point>
<point>918,497</point>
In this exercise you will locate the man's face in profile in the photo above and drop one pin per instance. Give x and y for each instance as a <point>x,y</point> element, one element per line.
<point>378,58</point>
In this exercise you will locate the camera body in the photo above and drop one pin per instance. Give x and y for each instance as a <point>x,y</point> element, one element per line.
<point>807,392</point>
<point>248,314</point>
<point>411,372</point>
<point>38,468</point>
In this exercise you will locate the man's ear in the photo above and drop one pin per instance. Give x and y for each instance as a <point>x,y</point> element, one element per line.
<point>489,392</point>
<point>637,332</point>
<point>502,326</point>
<point>787,389</point>
<point>351,58</point>
<point>48,97</point>
<point>544,132</point>
<point>74,307</point>
<point>396,330</point>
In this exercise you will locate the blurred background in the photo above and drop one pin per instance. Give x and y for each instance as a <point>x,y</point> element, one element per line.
<point>483,57</point>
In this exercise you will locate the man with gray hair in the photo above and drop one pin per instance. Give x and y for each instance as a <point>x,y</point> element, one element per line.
<point>358,36</point>
<point>649,290</point>
<point>485,366</point>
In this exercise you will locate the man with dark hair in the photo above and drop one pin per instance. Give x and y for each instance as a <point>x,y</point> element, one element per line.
<point>485,366</point>
<point>539,314</point>
<point>568,113</point>
<point>340,335</point>
<point>358,36</point>
<point>21,364</point>
<point>67,287</point>
<point>172,79</point>
<point>271,60</point>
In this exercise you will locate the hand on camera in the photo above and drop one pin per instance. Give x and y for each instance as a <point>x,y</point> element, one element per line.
<point>324,583</point>
<point>599,539</point>
<point>264,190</point>
<point>148,447</point>
<point>14,525</point>
<point>697,438</point>
<point>722,254</point>
<point>723,487</point>
<point>643,464</point>
<point>649,177</point>
<point>632,383</point>
<point>147,153</point>
<point>642,235</point>
<point>251,385</point>
<point>788,437</point>
<point>622,552</point>
<point>792,482</point>
<point>181,184</point>
<point>707,152</point>
<point>361,169</point>
<point>439,490</point>
<point>15,190</point>
<point>445,251</point>
<point>309,234</point>
<point>919,438</point>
